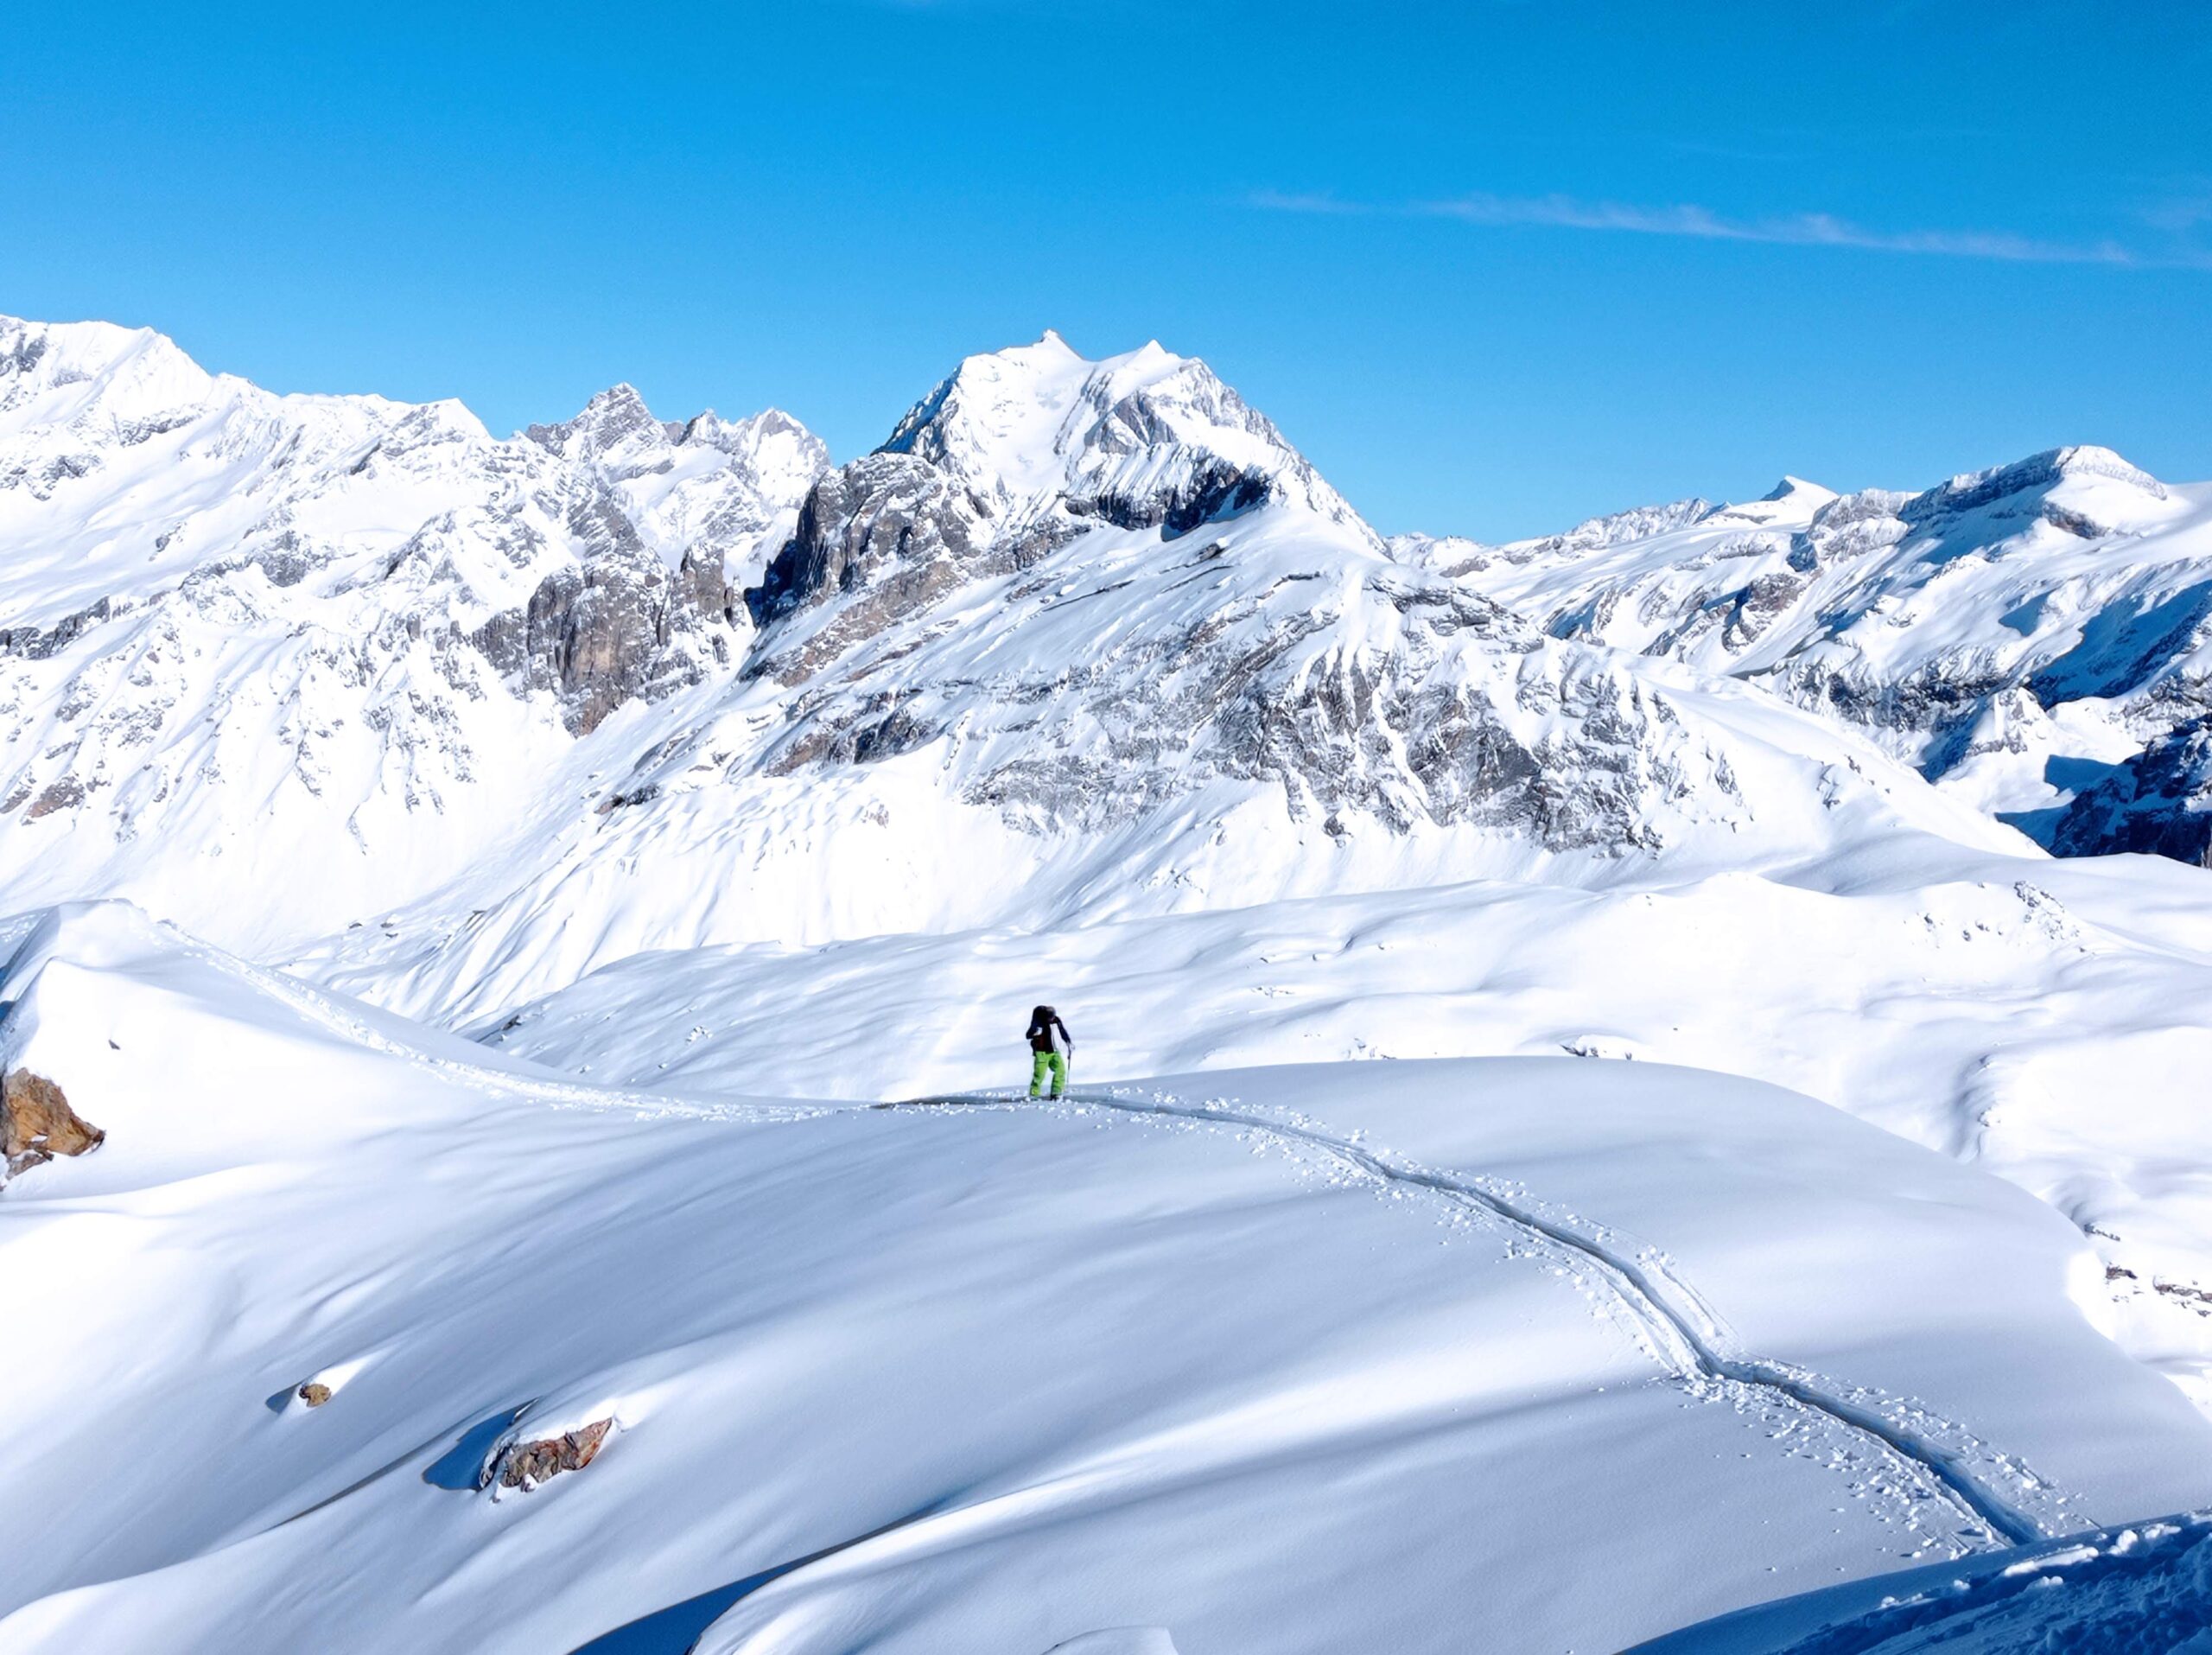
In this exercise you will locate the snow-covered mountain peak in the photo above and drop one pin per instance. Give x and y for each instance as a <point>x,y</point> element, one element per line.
<point>717,494</point>
<point>93,373</point>
<point>1791,504</point>
<point>1795,496</point>
<point>1145,435</point>
<point>780,454</point>
<point>2048,470</point>
<point>771,456</point>
<point>2086,492</point>
<point>615,423</point>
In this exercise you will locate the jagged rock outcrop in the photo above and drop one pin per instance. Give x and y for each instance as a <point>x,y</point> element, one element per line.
<point>527,1465</point>
<point>37,1123</point>
<point>891,531</point>
<point>1018,454</point>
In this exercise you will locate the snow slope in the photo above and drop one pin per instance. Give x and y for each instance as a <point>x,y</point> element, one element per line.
<point>1305,1358</point>
<point>2041,1020</point>
<point>2013,632</point>
<point>2146,1588</point>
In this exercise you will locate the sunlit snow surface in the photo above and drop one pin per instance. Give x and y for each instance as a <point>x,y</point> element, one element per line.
<point>1092,690</point>
<point>1322,1357</point>
<point>2042,1021</point>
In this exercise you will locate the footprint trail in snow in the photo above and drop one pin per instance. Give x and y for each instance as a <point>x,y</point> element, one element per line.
<point>1893,1446</point>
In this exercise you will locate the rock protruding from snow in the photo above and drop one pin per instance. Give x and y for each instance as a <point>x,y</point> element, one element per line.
<point>528,1465</point>
<point>36,1124</point>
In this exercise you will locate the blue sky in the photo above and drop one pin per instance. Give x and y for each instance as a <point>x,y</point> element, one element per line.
<point>1494,267</point>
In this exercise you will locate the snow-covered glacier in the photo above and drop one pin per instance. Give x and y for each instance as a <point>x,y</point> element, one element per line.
<point>533,934</point>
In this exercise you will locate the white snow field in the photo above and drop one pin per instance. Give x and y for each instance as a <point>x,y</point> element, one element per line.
<point>2044,1020</point>
<point>1316,1358</point>
<point>467,1288</point>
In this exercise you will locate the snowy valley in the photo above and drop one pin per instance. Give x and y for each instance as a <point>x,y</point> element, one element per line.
<point>1669,1055</point>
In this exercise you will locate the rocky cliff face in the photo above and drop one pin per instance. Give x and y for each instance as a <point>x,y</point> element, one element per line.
<point>2158,802</point>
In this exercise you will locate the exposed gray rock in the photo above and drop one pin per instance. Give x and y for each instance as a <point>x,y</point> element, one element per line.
<point>2159,802</point>
<point>527,1465</point>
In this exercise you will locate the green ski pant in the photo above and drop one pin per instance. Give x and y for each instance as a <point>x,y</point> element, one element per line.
<point>1058,1067</point>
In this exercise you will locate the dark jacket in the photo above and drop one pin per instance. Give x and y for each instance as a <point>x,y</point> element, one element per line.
<point>1042,1023</point>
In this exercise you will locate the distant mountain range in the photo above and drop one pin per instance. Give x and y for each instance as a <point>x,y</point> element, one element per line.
<point>345,678</point>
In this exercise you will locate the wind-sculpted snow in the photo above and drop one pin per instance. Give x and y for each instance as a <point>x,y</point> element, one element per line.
<point>1274,1359</point>
<point>2011,632</point>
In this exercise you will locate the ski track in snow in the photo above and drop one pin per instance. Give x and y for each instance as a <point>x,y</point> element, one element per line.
<point>1665,1314</point>
<point>1921,1457</point>
<point>1928,1456</point>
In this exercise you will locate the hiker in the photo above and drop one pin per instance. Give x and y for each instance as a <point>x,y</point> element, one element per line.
<point>1054,1050</point>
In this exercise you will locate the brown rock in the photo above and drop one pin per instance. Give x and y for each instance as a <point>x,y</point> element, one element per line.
<point>526,1465</point>
<point>36,1123</point>
<point>315,1393</point>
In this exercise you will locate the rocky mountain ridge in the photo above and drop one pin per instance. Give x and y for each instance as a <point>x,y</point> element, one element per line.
<point>333,620</point>
<point>2015,634</point>
<point>1090,638</point>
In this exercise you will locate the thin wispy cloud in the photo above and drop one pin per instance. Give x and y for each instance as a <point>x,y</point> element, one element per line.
<point>2181,215</point>
<point>1703,224</point>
